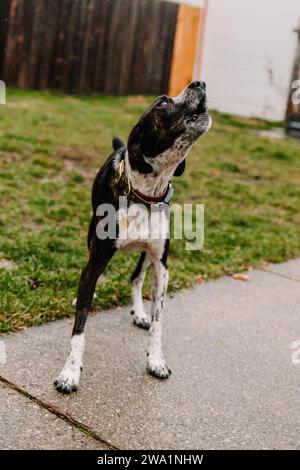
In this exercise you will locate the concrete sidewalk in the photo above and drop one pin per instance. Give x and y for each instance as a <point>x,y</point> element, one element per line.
<point>234,384</point>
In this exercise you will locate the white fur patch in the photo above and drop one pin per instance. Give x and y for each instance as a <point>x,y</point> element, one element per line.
<point>164,165</point>
<point>156,362</point>
<point>141,318</point>
<point>143,231</point>
<point>68,380</point>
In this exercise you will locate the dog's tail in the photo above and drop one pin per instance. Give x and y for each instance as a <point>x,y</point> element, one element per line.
<point>117,143</point>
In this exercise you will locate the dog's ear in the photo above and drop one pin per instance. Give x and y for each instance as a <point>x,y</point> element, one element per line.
<point>135,150</point>
<point>117,143</point>
<point>180,169</point>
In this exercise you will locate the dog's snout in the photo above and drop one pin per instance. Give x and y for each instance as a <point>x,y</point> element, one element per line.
<point>198,84</point>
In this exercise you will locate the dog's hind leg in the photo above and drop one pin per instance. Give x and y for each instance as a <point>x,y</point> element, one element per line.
<point>156,363</point>
<point>140,318</point>
<point>100,254</point>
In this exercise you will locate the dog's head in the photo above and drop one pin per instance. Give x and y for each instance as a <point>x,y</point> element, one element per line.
<point>168,129</point>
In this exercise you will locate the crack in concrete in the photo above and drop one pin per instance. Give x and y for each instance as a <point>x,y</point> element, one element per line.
<point>84,429</point>
<point>285,276</point>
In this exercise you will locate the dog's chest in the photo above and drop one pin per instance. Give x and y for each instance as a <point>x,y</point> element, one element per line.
<point>142,230</point>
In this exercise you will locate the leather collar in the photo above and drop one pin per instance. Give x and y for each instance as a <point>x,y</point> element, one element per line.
<point>160,200</point>
<point>122,182</point>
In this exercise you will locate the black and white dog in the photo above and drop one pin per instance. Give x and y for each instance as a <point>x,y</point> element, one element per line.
<point>156,150</point>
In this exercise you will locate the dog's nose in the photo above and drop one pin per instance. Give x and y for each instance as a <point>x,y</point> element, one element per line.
<point>198,84</point>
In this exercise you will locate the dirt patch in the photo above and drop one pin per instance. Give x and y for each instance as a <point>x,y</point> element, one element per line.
<point>7,264</point>
<point>86,173</point>
<point>273,134</point>
<point>137,100</point>
<point>22,105</point>
<point>11,157</point>
<point>31,225</point>
<point>69,152</point>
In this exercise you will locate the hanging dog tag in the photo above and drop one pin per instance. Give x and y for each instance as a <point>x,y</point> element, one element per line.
<point>124,223</point>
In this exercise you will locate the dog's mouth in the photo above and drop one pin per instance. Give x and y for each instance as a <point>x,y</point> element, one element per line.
<point>201,109</point>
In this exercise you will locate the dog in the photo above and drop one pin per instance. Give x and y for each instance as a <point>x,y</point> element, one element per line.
<point>156,150</point>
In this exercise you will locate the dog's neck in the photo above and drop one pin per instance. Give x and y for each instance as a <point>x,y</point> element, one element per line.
<point>155,183</point>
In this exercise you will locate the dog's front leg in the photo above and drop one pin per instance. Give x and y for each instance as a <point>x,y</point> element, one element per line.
<point>100,254</point>
<point>156,363</point>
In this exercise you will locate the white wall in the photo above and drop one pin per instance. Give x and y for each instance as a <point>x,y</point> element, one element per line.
<point>249,48</point>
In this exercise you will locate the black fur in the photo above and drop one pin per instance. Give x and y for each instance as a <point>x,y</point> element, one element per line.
<point>162,124</point>
<point>155,132</point>
<point>101,251</point>
<point>117,143</point>
<point>165,253</point>
<point>180,169</point>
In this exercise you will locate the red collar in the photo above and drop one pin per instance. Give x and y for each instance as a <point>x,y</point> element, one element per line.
<point>122,181</point>
<point>147,198</point>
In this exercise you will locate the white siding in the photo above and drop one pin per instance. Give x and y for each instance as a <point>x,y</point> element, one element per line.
<point>249,48</point>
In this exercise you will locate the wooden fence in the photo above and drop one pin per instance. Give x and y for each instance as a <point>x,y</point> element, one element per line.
<point>4,21</point>
<point>80,46</point>
<point>188,21</point>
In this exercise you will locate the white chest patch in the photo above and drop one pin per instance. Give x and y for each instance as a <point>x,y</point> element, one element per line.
<point>142,229</point>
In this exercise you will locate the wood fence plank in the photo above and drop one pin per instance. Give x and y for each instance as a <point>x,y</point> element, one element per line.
<point>4,27</point>
<point>185,47</point>
<point>102,21</point>
<point>170,29</point>
<point>13,58</point>
<point>129,43</point>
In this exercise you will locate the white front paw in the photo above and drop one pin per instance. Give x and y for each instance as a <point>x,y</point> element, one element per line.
<point>157,366</point>
<point>142,320</point>
<point>68,380</point>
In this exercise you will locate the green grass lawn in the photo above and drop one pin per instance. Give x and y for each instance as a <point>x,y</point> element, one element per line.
<point>50,148</point>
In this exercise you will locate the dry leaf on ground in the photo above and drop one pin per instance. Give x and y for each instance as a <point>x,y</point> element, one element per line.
<point>241,277</point>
